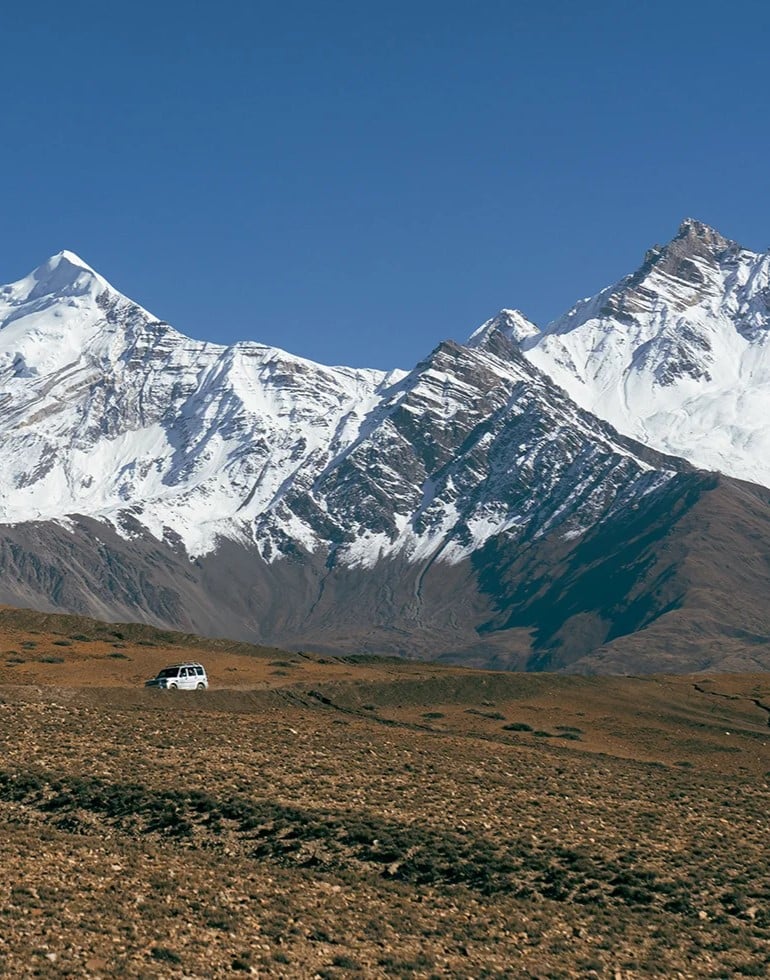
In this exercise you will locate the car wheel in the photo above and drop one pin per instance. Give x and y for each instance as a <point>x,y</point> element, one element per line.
<point>172,687</point>
<point>201,687</point>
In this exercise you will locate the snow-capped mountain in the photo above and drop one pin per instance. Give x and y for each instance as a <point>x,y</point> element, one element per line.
<point>110,413</point>
<point>676,355</point>
<point>468,508</point>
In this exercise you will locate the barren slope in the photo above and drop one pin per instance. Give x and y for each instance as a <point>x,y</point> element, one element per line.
<point>398,821</point>
<point>686,566</point>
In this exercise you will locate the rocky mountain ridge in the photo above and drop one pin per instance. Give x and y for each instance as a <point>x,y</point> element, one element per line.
<point>112,414</point>
<point>468,508</point>
<point>676,355</point>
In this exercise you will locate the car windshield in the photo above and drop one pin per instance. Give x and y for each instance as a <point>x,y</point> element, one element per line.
<point>169,672</point>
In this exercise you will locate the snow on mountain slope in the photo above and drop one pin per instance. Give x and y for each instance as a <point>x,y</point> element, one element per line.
<point>470,444</point>
<point>510,324</point>
<point>676,355</point>
<point>109,412</point>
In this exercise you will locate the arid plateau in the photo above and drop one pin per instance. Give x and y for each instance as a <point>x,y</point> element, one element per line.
<point>338,817</point>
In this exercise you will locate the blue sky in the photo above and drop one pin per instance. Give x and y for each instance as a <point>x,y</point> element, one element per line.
<point>356,181</point>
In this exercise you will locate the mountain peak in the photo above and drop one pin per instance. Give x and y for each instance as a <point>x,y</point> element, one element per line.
<point>676,354</point>
<point>688,267</point>
<point>64,274</point>
<point>70,258</point>
<point>693,240</point>
<point>696,235</point>
<point>511,325</point>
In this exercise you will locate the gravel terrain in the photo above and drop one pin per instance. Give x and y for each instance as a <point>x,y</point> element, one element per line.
<point>331,818</point>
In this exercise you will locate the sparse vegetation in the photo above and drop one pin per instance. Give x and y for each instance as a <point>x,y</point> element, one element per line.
<point>343,962</point>
<point>246,832</point>
<point>165,955</point>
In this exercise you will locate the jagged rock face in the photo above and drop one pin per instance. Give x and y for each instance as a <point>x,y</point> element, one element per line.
<point>676,355</point>
<point>451,456</point>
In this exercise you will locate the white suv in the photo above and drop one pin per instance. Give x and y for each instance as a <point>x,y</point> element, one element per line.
<point>186,677</point>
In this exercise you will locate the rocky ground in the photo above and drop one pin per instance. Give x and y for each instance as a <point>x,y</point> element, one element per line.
<point>336,818</point>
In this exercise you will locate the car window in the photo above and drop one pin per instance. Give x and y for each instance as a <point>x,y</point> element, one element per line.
<point>169,672</point>
<point>183,672</point>
<point>199,671</point>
